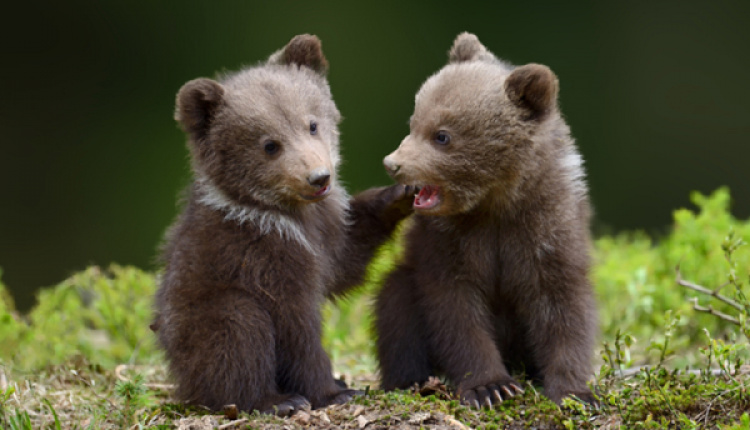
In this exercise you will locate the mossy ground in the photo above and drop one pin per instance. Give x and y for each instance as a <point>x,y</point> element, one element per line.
<point>85,396</point>
<point>85,358</point>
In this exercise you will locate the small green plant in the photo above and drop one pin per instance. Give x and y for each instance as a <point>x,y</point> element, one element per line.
<point>57,425</point>
<point>661,344</point>
<point>4,398</point>
<point>20,421</point>
<point>578,414</point>
<point>619,358</point>
<point>133,394</point>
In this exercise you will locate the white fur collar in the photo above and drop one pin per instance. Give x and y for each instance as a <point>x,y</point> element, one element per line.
<point>267,221</point>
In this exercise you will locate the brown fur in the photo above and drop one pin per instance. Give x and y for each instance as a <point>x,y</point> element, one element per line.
<point>494,277</point>
<point>255,251</point>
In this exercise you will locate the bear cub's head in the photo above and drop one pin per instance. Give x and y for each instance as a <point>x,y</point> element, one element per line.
<point>472,133</point>
<point>266,135</point>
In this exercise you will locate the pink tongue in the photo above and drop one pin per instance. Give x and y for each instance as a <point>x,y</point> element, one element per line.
<point>427,197</point>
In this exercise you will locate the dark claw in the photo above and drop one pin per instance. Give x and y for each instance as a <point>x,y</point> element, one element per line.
<point>507,391</point>
<point>469,398</point>
<point>483,396</point>
<point>496,396</point>
<point>491,394</point>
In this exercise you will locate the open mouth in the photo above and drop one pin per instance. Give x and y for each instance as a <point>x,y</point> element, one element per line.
<point>428,197</point>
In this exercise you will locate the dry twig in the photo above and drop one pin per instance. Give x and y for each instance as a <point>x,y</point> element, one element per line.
<point>713,293</point>
<point>706,291</point>
<point>714,312</point>
<point>232,424</point>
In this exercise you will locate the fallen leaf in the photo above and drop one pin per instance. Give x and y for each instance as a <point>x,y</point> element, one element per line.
<point>362,421</point>
<point>432,386</point>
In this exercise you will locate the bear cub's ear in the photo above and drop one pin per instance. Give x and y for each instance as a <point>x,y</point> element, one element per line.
<point>467,47</point>
<point>533,87</point>
<point>303,50</point>
<point>197,102</point>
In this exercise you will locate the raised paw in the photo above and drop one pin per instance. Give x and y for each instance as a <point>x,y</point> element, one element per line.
<point>400,199</point>
<point>289,406</point>
<point>490,395</point>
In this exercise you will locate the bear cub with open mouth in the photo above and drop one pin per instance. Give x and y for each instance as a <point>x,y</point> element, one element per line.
<point>494,276</point>
<point>267,232</point>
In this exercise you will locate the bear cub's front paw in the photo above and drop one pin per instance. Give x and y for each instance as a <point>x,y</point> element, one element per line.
<point>491,394</point>
<point>399,200</point>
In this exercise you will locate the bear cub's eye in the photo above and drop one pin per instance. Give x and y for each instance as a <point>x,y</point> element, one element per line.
<point>442,137</point>
<point>271,147</point>
<point>313,128</point>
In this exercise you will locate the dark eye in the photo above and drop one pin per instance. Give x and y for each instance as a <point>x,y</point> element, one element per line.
<point>442,137</point>
<point>313,128</point>
<point>271,147</point>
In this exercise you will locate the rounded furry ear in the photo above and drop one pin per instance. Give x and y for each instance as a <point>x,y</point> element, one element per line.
<point>467,47</point>
<point>302,50</point>
<point>197,102</point>
<point>533,87</point>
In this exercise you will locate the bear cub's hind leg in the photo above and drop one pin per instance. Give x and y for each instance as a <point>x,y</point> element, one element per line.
<point>237,360</point>
<point>401,340</point>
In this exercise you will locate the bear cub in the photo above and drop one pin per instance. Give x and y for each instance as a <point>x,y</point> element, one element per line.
<point>266,234</point>
<point>494,275</point>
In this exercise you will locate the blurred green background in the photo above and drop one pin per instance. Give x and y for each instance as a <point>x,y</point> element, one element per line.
<point>91,160</point>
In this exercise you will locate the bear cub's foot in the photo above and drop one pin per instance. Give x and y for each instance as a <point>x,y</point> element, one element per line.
<point>289,406</point>
<point>491,394</point>
<point>296,402</point>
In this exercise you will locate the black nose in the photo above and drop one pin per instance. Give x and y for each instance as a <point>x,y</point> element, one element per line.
<point>319,177</point>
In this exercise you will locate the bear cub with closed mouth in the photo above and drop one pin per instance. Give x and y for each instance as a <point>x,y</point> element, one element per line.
<point>266,234</point>
<point>494,275</point>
